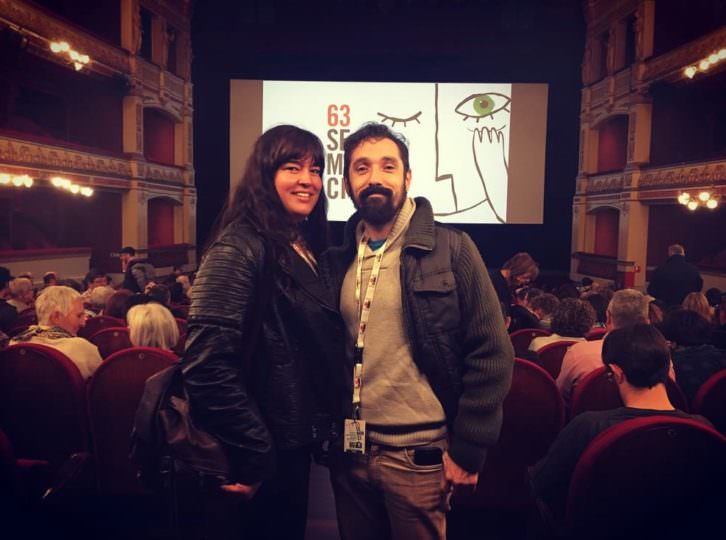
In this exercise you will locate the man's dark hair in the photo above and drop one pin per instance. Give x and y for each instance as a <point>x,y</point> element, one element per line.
<point>686,328</point>
<point>527,294</point>
<point>118,304</point>
<point>642,353</point>
<point>573,318</point>
<point>713,295</point>
<point>48,277</point>
<point>256,201</point>
<point>129,250</point>
<point>520,264</point>
<point>375,131</point>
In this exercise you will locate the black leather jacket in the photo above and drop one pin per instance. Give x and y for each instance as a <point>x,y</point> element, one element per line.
<point>262,364</point>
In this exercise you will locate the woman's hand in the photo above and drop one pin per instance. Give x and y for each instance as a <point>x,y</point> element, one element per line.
<point>243,490</point>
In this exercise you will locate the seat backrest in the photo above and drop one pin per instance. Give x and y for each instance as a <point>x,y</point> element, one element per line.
<point>597,392</point>
<point>595,334</point>
<point>110,340</point>
<point>42,403</point>
<point>647,472</point>
<point>533,414</point>
<point>114,393</point>
<point>96,324</point>
<point>522,338</point>
<point>550,356</point>
<point>710,400</point>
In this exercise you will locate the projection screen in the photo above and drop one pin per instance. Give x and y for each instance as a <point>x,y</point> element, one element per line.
<point>477,150</point>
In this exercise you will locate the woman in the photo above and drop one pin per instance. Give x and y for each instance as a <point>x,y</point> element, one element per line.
<point>697,302</point>
<point>264,338</point>
<point>152,325</point>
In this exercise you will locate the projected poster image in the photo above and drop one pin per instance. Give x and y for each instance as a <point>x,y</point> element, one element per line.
<point>458,137</point>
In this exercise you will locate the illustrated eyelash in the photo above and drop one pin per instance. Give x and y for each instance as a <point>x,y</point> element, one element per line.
<point>477,118</point>
<point>395,120</point>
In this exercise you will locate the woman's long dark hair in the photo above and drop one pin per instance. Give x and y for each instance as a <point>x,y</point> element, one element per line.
<point>256,201</point>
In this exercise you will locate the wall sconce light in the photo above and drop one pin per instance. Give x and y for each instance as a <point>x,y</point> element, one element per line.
<point>65,184</point>
<point>17,180</point>
<point>705,64</point>
<point>77,59</point>
<point>707,198</point>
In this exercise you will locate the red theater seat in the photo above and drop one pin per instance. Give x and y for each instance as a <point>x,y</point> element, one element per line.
<point>596,392</point>
<point>654,477</point>
<point>42,403</point>
<point>113,397</point>
<point>710,400</point>
<point>96,324</point>
<point>522,338</point>
<point>550,356</point>
<point>110,340</point>
<point>533,416</point>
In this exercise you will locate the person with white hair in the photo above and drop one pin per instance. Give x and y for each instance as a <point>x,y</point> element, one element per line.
<point>97,299</point>
<point>60,316</point>
<point>21,294</point>
<point>152,325</point>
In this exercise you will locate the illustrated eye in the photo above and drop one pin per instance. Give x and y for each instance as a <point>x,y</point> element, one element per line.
<point>394,120</point>
<point>480,106</point>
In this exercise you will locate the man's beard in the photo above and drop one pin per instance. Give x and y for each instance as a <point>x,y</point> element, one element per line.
<point>379,211</point>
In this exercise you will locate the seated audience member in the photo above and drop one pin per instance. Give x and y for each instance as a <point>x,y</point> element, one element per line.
<point>567,290</point>
<point>184,282</point>
<point>98,299</point>
<point>695,359</point>
<point>177,294</point>
<point>598,303</point>
<point>118,305</point>
<point>60,316</point>
<point>8,313</point>
<point>718,338</point>
<point>697,302</point>
<point>160,294</point>
<point>572,319</point>
<point>152,325</point>
<point>628,307</point>
<point>94,278</point>
<point>544,306</point>
<point>516,273</point>
<point>638,360</point>
<point>21,294</point>
<point>73,284</point>
<point>655,312</point>
<point>50,279</point>
<point>713,296</point>
<point>138,272</point>
<point>521,312</point>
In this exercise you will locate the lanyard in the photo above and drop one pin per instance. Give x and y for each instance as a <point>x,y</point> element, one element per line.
<point>364,310</point>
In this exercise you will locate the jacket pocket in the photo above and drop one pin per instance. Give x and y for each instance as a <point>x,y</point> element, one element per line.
<point>438,300</point>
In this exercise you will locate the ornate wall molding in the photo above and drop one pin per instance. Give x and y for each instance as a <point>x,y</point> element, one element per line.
<point>607,183</point>
<point>156,172</point>
<point>21,152</point>
<point>713,172</point>
<point>674,61</point>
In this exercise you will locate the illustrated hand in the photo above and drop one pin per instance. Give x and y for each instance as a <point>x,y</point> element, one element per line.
<point>243,490</point>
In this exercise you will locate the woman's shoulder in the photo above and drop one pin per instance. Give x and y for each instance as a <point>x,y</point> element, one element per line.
<point>240,235</point>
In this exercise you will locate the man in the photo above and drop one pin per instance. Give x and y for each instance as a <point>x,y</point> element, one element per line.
<point>60,316</point>
<point>8,313</point>
<point>138,273</point>
<point>638,359</point>
<point>428,347</point>
<point>626,308</point>
<point>674,279</point>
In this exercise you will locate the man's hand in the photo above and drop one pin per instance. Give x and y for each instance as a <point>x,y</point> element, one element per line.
<point>243,490</point>
<point>455,476</point>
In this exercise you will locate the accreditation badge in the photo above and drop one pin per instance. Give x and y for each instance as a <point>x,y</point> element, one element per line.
<point>354,436</point>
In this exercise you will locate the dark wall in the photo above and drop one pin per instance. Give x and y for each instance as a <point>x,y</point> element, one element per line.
<point>528,41</point>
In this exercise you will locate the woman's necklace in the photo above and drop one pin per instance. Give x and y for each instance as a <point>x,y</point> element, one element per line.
<point>307,255</point>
